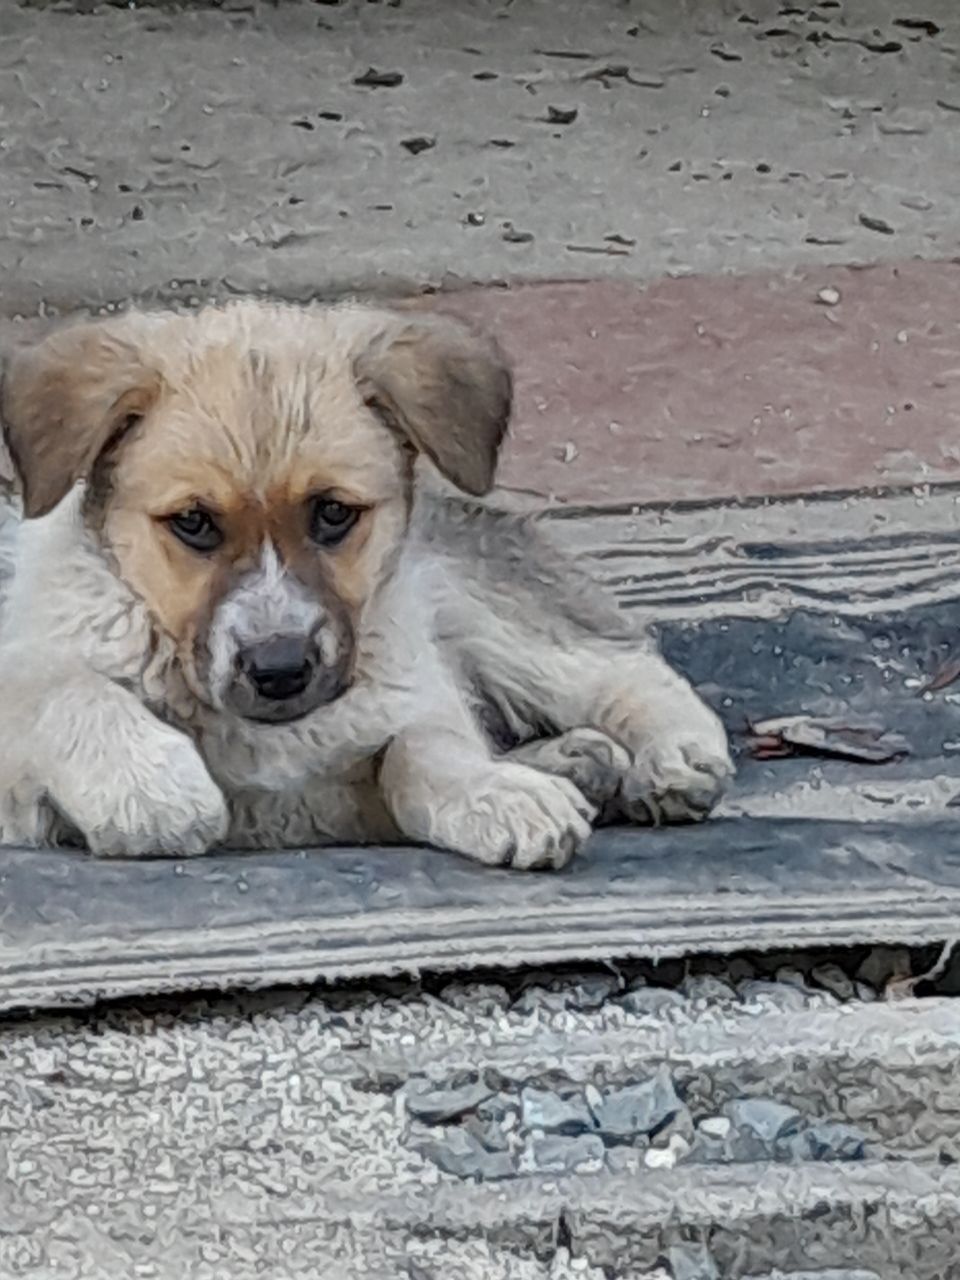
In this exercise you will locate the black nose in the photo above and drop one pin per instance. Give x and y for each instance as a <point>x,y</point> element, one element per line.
<point>281,668</point>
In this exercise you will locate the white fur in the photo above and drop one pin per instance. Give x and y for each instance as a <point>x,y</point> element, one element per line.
<point>75,736</point>
<point>101,738</point>
<point>81,750</point>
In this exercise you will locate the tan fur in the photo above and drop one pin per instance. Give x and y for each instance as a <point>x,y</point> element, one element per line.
<point>193,417</point>
<point>448,389</point>
<point>133,716</point>
<point>65,399</point>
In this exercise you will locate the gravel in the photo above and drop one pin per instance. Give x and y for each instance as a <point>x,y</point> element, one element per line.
<point>693,1262</point>
<point>462,1154</point>
<point>436,1104</point>
<point>584,1154</point>
<point>267,1106</point>
<point>827,1141</point>
<point>637,1109</point>
<point>762,1118</point>
<point>649,1000</point>
<point>563,1112</point>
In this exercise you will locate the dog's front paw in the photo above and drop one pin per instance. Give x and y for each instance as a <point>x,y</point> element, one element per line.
<point>590,759</point>
<point>164,803</point>
<point>515,816</point>
<point>679,776</point>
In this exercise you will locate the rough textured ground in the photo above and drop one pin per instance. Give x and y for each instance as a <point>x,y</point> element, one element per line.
<point>151,152</point>
<point>616,1124</point>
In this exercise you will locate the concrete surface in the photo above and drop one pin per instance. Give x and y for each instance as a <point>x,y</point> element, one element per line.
<point>730,386</point>
<point>334,1135</point>
<point>165,152</point>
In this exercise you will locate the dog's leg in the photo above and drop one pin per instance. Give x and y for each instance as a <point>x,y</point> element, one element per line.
<point>593,761</point>
<point>679,761</point>
<point>82,752</point>
<point>444,788</point>
<point>551,654</point>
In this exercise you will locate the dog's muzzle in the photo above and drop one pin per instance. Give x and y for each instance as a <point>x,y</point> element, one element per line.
<point>283,679</point>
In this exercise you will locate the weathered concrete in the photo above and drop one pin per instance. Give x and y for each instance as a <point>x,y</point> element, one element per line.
<point>273,1137</point>
<point>743,386</point>
<point>168,154</point>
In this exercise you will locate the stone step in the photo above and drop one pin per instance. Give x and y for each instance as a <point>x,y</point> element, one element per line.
<point>886,1069</point>
<point>756,1222</point>
<point>710,1130</point>
<point>883,1221</point>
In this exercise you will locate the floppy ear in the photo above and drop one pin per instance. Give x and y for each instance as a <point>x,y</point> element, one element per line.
<point>64,401</point>
<point>446,389</point>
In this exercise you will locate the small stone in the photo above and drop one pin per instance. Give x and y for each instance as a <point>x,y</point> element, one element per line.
<point>565,1267</point>
<point>490,1134</point>
<point>569,452</point>
<point>587,992</point>
<point>716,1126</point>
<point>692,1262</point>
<point>876,224</point>
<point>827,1141</point>
<point>740,970</point>
<point>475,219</point>
<point>481,998</point>
<point>625,1161</point>
<point>460,1153</point>
<point>783,996</point>
<point>792,977</point>
<point>828,296</point>
<point>418,144</point>
<point>374,79</point>
<point>436,1103</point>
<point>583,1154</point>
<point>649,1000</point>
<point>763,1118</point>
<point>884,963</point>
<point>512,236</point>
<point>561,115</point>
<point>708,1150</point>
<point>555,1112</point>
<point>833,979</point>
<point>706,987</point>
<point>500,1108</point>
<point>638,1108</point>
<point>660,1157</point>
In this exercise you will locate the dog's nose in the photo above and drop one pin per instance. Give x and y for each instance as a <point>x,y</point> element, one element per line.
<point>281,668</point>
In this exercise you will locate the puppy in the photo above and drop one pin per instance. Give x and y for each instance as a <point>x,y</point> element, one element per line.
<point>255,601</point>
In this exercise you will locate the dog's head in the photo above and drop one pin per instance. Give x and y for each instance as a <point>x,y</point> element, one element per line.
<point>248,470</point>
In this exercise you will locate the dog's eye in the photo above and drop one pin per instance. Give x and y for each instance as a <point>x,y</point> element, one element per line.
<point>331,521</point>
<point>196,529</point>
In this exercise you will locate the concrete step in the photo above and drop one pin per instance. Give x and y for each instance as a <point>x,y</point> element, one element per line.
<point>584,1127</point>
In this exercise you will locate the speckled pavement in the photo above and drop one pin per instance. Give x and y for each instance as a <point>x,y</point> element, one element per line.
<point>609,1125</point>
<point>718,240</point>
<point>163,151</point>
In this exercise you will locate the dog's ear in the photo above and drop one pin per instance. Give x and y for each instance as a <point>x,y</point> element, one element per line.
<point>446,389</point>
<point>65,401</point>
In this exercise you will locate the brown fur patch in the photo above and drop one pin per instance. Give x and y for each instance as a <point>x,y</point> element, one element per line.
<point>447,390</point>
<point>66,400</point>
<point>251,411</point>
